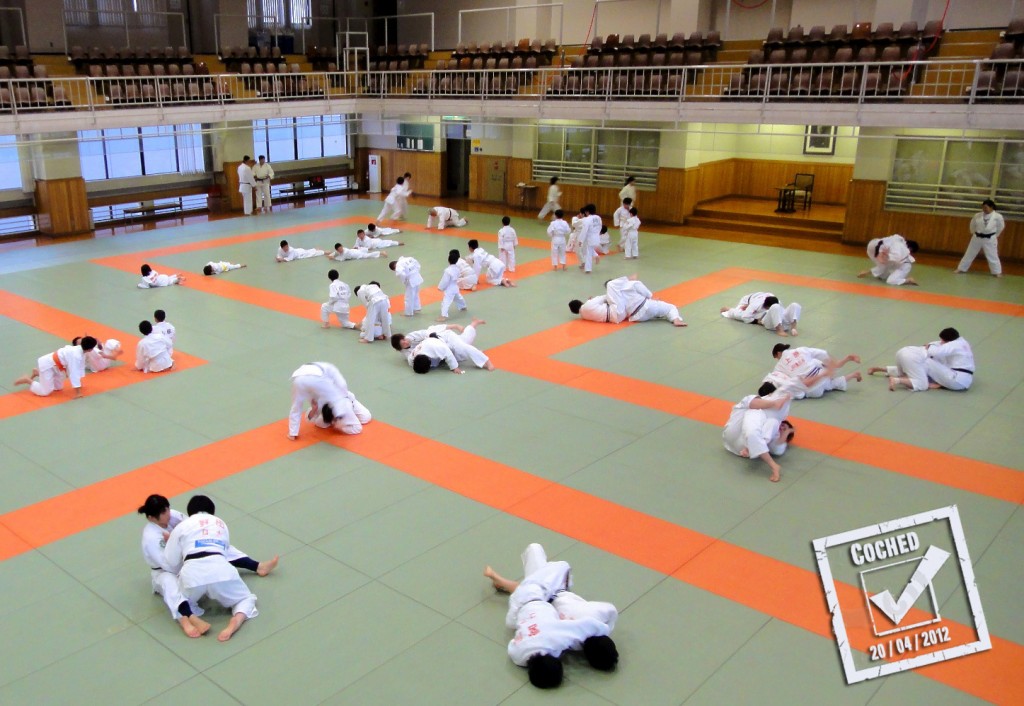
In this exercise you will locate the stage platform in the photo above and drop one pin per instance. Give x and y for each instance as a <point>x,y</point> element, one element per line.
<point>751,215</point>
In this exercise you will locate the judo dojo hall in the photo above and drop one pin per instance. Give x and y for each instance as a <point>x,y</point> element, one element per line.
<point>602,442</point>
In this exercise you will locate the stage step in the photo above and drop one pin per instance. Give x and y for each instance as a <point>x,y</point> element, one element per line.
<point>795,227</point>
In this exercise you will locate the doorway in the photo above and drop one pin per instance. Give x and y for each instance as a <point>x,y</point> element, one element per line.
<point>456,160</point>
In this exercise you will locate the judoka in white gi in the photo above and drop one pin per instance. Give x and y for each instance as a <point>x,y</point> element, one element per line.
<point>757,427</point>
<point>449,285</point>
<point>220,267</point>
<point>619,218</point>
<point>589,238</point>
<point>809,372</point>
<point>554,196</point>
<point>162,326</point>
<point>468,279</point>
<point>635,302</point>
<point>549,619</point>
<point>598,309</point>
<point>391,201</point>
<point>374,231</point>
<point>407,270</point>
<point>286,253</point>
<point>764,308</point>
<point>450,344</point>
<point>67,362</point>
<point>947,362</point>
<point>507,242</point>
<point>337,303</point>
<point>628,191</point>
<point>892,259</point>
<point>558,231</point>
<point>341,253</point>
<point>262,173</point>
<point>196,552</point>
<point>377,305</point>
<point>99,358</point>
<point>575,235</point>
<point>246,183</point>
<point>161,520</point>
<point>365,242</point>
<point>631,235</point>
<point>604,242</point>
<point>402,202</point>
<point>492,268</point>
<point>152,279</point>
<point>332,404</point>
<point>441,217</point>
<point>986,226</point>
<point>153,351</point>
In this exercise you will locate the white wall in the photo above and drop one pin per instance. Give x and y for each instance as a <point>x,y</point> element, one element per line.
<point>836,12</point>
<point>709,142</point>
<point>735,22</point>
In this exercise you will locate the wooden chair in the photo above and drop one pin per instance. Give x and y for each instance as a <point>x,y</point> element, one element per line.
<point>804,186</point>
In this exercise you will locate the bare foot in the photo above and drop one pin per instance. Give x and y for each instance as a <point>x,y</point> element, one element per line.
<point>477,322</point>
<point>911,281</point>
<point>857,376</point>
<point>378,338</point>
<point>488,365</point>
<point>855,358</point>
<point>723,310</point>
<point>442,319</point>
<point>781,332</point>
<point>401,243</point>
<point>892,384</point>
<point>325,325</point>
<point>384,254</point>
<point>744,453</point>
<point>363,340</point>
<point>775,477</point>
<point>265,567</point>
<point>793,331</point>
<point>872,371</point>
<point>865,273</point>
<point>959,272</point>
<point>678,322</point>
<point>188,627</point>
<point>199,624</point>
<point>24,380</point>
<point>236,622</point>
<point>244,265</point>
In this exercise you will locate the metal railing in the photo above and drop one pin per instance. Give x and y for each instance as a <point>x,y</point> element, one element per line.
<point>947,81</point>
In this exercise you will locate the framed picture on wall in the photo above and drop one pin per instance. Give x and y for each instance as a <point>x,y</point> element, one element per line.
<point>820,139</point>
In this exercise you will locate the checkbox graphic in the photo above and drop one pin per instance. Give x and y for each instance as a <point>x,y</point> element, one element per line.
<point>887,586</point>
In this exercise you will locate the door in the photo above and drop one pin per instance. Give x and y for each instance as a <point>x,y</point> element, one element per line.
<point>494,179</point>
<point>457,163</point>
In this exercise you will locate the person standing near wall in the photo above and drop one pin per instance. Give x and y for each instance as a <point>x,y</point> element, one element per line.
<point>628,191</point>
<point>263,173</point>
<point>246,182</point>
<point>986,226</point>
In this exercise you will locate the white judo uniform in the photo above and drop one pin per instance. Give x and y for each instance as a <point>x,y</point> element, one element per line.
<point>262,174</point>
<point>468,279</point>
<point>221,267</point>
<point>155,279</point>
<point>635,302</point>
<point>589,240</point>
<point>951,364</point>
<point>628,192</point>
<point>67,362</point>
<point>338,296</point>
<point>153,353</point>
<point>164,581</point>
<point>558,231</point>
<point>97,360</point>
<point>391,203</point>
<point>754,430</point>
<point>630,229</point>
<point>449,285</point>
<point>601,310</point>
<point>891,259</point>
<point>551,205</point>
<point>246,184</point>
<point>377,305</point>
<point>548,618</point>
<point>985,230</point>
<point>454,346</point>
<point>402,202</point>
<point>619,218</point>
<point>800,364</point>
<point>341,254</point>
<point>297,253</point>
<point>751,310</point>
<point>365,242</point>
<point>507,242</point>
<point>912,363</point>
<point>493,269</point>
<point>166,328</point>
<point>407,269</point>
<point>196,551</point>
<point>445,217</point>
<point>317,384</point>
<point>375,231</point>
<point>575,233</point>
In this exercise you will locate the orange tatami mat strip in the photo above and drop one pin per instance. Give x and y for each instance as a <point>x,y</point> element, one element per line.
<point>66,326</point>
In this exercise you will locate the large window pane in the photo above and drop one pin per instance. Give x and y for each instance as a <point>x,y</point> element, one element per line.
<point>158,150</point>
<point>123,158</point>
<point>335,138</point>
<point>308,137</point>
<point>280,140</point>
<point>10,171</point>
<point>917,161</point>
<point>578,145</point>
<point>130,152</point>
<point>586,155</point>
<point>969,164</point>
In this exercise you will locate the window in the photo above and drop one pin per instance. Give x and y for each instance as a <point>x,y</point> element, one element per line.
<point>279,13</point>
<point>954,176</point>
<point>10,165</point>
<point>117,153</point>
<point>586,155</point>
<point>291,139</point>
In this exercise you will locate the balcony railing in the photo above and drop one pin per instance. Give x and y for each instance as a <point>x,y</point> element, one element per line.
<point>938,81</point>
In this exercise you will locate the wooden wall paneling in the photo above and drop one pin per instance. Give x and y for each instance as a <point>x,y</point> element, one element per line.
<point>667,203</point>
<point>759,178</point>
<point>716,179</point>
<point>867,218</point>
<point>477,172</point>
<point>691,190</point>
<point>427,169</point>
<point>231,185</point>
<point>521,170</point>
<point>62,206</point>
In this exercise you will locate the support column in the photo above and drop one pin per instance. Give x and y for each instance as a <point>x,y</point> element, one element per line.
<point>62,207</point>
<point>232,141</point>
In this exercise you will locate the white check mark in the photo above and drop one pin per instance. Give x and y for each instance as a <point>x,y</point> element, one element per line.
<point>933,560</point>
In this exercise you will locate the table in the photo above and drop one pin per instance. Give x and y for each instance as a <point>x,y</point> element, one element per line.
<point>525,189</point>
<point>787,199</point>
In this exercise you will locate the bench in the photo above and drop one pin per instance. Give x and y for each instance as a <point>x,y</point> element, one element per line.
<point>151,210</point>
<point>315,185</point>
